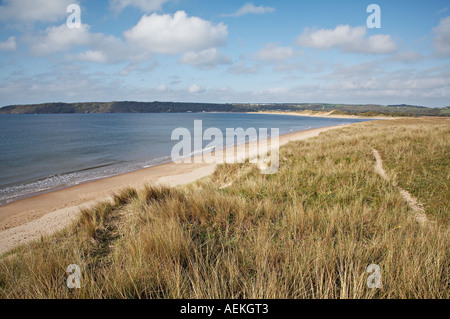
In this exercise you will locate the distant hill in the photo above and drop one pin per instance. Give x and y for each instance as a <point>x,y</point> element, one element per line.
<point>117,107</point>
<point>176,107</point>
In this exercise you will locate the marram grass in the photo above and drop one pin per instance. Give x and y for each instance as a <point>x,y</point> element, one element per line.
<point>309,231</point>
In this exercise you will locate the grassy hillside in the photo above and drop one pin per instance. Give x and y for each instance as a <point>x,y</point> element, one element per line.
<point>309,231</point>
<point>118,107</point>
<point>169,107</point>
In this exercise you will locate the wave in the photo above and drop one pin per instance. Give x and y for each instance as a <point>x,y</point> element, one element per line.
<point>12,192</point>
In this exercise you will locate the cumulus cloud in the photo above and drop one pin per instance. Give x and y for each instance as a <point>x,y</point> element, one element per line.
<point>99,48</point>
<point>206,59</point>
<point>179,33</point>
<point>442,38</point>
<point>8,45</point>
<point>273,52</point>
<point>34,10</point>
<point>144,5</point>
<point>60,38</point>
<point>352,40</point>
<point>250,8</point>
<point>116,50</point>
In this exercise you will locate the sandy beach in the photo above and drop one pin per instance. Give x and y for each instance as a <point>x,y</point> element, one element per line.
<point>327,115</point>
<point>30,218</point>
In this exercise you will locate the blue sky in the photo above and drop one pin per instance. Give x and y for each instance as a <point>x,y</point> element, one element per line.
<point>225,51</point>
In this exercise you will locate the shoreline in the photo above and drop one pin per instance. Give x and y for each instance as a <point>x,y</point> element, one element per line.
<point>30,218</point>
<point>329,115</point>
<point>61,187</point>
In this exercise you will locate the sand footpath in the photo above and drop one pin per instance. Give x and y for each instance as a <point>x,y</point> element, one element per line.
<point>28,219</point>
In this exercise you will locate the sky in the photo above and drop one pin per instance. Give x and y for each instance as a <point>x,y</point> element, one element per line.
<point>225,51</point>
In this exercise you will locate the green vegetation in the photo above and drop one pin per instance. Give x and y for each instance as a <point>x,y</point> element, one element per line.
<point>118,107</point>
<point>309,231</point>
<point>418,159</point>
<point>171,107</point>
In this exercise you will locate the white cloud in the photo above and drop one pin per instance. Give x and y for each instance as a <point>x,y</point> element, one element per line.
<point>92,56</point>
<point>116,50</point>
<point>179,33</point>
<point>250,8</point>
<point>194,88</point>
<point>206,59</point>
<point>8,45</point>
<point>348,39</point>
<point>60,38</point>
<point>273,52</point>
<point>144,5</point>
<point>442,39</point>
<point>34,10</point>
<point>99,48</point>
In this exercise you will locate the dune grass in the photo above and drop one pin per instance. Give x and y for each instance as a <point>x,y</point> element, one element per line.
<point>309,231</point>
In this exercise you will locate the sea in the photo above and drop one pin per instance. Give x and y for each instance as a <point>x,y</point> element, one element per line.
<point>45,152</point>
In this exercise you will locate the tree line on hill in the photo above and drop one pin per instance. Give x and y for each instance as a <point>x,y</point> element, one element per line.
<point>180,107</point>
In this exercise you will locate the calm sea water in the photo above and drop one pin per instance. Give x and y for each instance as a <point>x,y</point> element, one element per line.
<point>43,152</point>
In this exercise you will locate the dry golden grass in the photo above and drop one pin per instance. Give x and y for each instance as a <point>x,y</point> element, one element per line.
<point>309,231</point>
